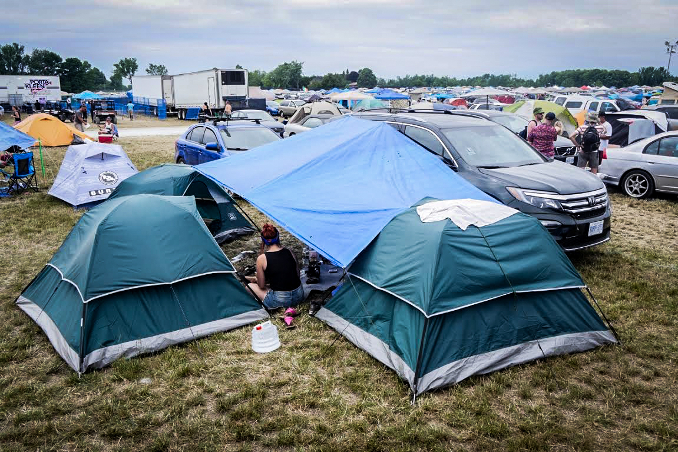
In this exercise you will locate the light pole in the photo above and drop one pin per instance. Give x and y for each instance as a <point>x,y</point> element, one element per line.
<point>670,49</point>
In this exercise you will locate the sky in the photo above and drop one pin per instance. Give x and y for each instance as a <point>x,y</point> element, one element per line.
<point>392,37</point>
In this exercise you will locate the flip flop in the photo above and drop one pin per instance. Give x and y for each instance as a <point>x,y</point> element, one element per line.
<point>291,312</point>
<point>288,323</point>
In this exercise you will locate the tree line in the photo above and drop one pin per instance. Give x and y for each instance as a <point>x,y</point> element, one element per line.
<point>78,75</point>
<point>75,75</point>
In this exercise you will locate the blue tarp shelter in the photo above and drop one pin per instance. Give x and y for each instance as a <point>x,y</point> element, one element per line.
<point>9,136</point>
<point>337,186</point>
<point>388,94</point>
<point>86,95</point>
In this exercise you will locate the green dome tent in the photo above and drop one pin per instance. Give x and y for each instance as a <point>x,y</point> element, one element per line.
<point>214,204</point>
<point>135,275</point>
<point>438,304</point>
<point>525,108</point>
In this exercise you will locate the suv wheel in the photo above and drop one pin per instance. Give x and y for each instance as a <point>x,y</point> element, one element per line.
<point>638,184</point>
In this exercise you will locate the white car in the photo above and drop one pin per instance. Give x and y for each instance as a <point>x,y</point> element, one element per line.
<point>306,124</point>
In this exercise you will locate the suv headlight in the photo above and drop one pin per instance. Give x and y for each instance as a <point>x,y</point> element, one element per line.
<point>541,199</point>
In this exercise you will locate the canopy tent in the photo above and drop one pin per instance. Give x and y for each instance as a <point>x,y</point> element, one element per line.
<point>90,172</point>
<point>370,104</point>
<point>350,95</point>
<point>12,138</point>
<point>314,108</point>
<point>314,184</point>
<point>525,108</point>
<point>214,204</point>
<point>119,287</point>
<point>86,95</point>
<point>438,303</point>
<point>50,130</point>
<point>373,90</point>
<point>486,92</point>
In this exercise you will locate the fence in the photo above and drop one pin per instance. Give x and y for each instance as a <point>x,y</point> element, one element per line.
<point>142,106</point>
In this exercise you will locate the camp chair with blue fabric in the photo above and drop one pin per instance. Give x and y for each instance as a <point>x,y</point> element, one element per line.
<point>22,177</point>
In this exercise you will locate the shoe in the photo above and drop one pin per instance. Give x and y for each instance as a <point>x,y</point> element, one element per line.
<point>291,312</point>
<point>288,322</point>
<point>313,310</point>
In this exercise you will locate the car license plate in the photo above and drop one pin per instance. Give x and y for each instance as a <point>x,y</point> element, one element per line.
<point>596,228</point>
<point>569,160</point>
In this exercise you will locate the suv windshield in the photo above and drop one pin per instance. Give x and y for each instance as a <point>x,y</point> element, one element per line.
<point>242,139</point>
<point>256,115</point>
<point>491,147</point>
<point>514,123</point>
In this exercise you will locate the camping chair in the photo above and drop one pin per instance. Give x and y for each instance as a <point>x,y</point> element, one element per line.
<point>23,177</point>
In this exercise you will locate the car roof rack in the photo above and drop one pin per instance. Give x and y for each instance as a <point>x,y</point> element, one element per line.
<point>220,119</point>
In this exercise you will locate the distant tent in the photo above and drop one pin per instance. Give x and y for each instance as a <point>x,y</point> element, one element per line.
<point>524,108</point>
<point>314,108</point>
<point>120,287</point>
<point>11,138</point>
<point>214,204</point>
<point>387,94</point>
<point>370,104</point>
<point>438,301</point>
<point>90,172</point>
<point>86,95</point>
<point>50,130</point>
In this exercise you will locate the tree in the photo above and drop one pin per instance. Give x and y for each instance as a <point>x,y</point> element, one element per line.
<point>126,68</point>
<point>286,75</point>
<point>330,81</point>
<point>116,83</point>
<point>94,79</point>
<point>156,69</point>
<point>73,75</point>
<point>352,76</point>
<point>44,62</point>
<point>12,59</point>
<point>366,78</point>
<point>256,77</point>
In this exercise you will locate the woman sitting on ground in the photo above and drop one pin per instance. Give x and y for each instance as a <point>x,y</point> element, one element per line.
<point>108,128</point>
<point>277,279</point>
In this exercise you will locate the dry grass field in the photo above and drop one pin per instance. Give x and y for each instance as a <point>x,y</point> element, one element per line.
<point>319,392</point>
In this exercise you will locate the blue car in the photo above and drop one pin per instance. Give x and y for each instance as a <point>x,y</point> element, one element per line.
<point>203,143</point>
<point>272,107</point>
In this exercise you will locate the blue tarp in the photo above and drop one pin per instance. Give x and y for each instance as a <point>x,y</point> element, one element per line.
<point>335,187</point>
<point>9,136</point>
<point>86,95</point>
<point>387,94</point>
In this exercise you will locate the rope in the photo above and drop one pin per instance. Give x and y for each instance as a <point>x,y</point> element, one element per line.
<point>186,320</point>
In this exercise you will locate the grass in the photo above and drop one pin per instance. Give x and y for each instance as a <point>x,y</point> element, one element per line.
<point>319,392</point>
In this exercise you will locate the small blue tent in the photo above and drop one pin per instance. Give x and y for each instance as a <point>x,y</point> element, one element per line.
<point>9,137</point>
<point>335,187</point>
<point>388,94</point>
<point>86,95</point>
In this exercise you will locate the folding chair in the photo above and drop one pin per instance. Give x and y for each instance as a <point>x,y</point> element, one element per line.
<point>23,177</point>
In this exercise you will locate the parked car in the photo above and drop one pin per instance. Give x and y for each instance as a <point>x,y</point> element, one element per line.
<point>577,103</point>
<point>308,123</point>
<point>263,117</point>
<point>289,107</point>
<point>572,204</point>
<point>102,110</point>
<point>205,142</point>
<point>645,166</point>
<point>272,107</point>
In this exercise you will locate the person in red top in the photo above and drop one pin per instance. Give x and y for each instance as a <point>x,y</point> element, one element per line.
<point>543,136</point>
<point>277,281</point>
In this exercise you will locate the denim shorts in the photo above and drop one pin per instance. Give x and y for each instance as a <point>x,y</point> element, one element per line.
<point>283,298</point>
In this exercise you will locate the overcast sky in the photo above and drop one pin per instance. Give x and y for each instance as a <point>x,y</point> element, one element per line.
<point>392,37</point>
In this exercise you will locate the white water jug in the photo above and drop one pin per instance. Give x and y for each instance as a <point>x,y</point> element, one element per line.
<point>265,337</point>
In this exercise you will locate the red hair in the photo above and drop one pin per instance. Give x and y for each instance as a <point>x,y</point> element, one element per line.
<point>268,231</point>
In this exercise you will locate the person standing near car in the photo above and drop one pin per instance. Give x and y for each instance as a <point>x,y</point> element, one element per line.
<point>543,136</point>
<point>538,114</point>
<point>587,140</point>
<point>605,137</point>
<point>228,109</point>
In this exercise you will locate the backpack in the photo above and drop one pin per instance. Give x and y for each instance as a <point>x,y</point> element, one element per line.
<point>523,133</point>
<point>590,139</point>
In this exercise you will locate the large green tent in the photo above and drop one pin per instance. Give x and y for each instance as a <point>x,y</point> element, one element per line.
<point>438,304</point>
<point>136,274</point>
<point>214,204</point>
<point>525,108</point>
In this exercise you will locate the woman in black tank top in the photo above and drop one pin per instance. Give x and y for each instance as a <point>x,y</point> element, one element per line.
<point>277,282</point>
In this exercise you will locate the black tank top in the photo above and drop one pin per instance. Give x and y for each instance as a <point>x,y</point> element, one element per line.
<point>281,270</point>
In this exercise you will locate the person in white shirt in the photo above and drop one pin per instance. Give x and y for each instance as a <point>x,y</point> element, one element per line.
<point>604,138</point>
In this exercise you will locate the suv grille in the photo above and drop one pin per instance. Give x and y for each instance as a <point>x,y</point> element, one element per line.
<point>585,205</point>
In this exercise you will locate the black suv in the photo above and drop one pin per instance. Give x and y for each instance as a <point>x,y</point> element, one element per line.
<point>571,203</point>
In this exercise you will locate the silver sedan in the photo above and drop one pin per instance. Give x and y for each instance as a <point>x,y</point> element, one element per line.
<point>644,167</point>
<point>306,124</point>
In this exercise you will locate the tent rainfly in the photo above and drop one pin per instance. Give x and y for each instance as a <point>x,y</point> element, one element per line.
<point>50,130</point>
<point>451,289</point>
<point>90,172</point>
<point>12,138</point>
<point>215,205</point>
<point>120,287</point>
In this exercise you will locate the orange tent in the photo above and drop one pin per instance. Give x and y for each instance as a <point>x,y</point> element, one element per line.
<point>49,130</point>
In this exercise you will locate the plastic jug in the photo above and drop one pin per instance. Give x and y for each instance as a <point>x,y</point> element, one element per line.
<point>265,337</point>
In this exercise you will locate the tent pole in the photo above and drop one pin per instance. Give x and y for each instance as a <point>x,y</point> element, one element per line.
<point>418,366</point>
<point>81,358</point>
<point>616,336</point>
<point>42,162</point>
<point>245,213</point>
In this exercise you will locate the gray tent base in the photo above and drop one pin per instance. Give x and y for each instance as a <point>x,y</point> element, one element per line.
<point>456,371</point>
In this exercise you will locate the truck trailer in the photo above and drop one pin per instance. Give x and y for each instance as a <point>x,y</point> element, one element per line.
<point>17,90</point>
<point>191,90</point>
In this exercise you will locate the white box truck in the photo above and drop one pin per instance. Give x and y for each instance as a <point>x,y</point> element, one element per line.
<point>214,86</point>
<point>21,89</point>
<point>147,86</point>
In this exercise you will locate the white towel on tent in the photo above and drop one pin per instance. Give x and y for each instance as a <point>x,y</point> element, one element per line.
<point>464,212</point>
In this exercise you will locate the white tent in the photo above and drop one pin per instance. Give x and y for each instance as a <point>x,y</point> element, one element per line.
<point>350,95</point>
